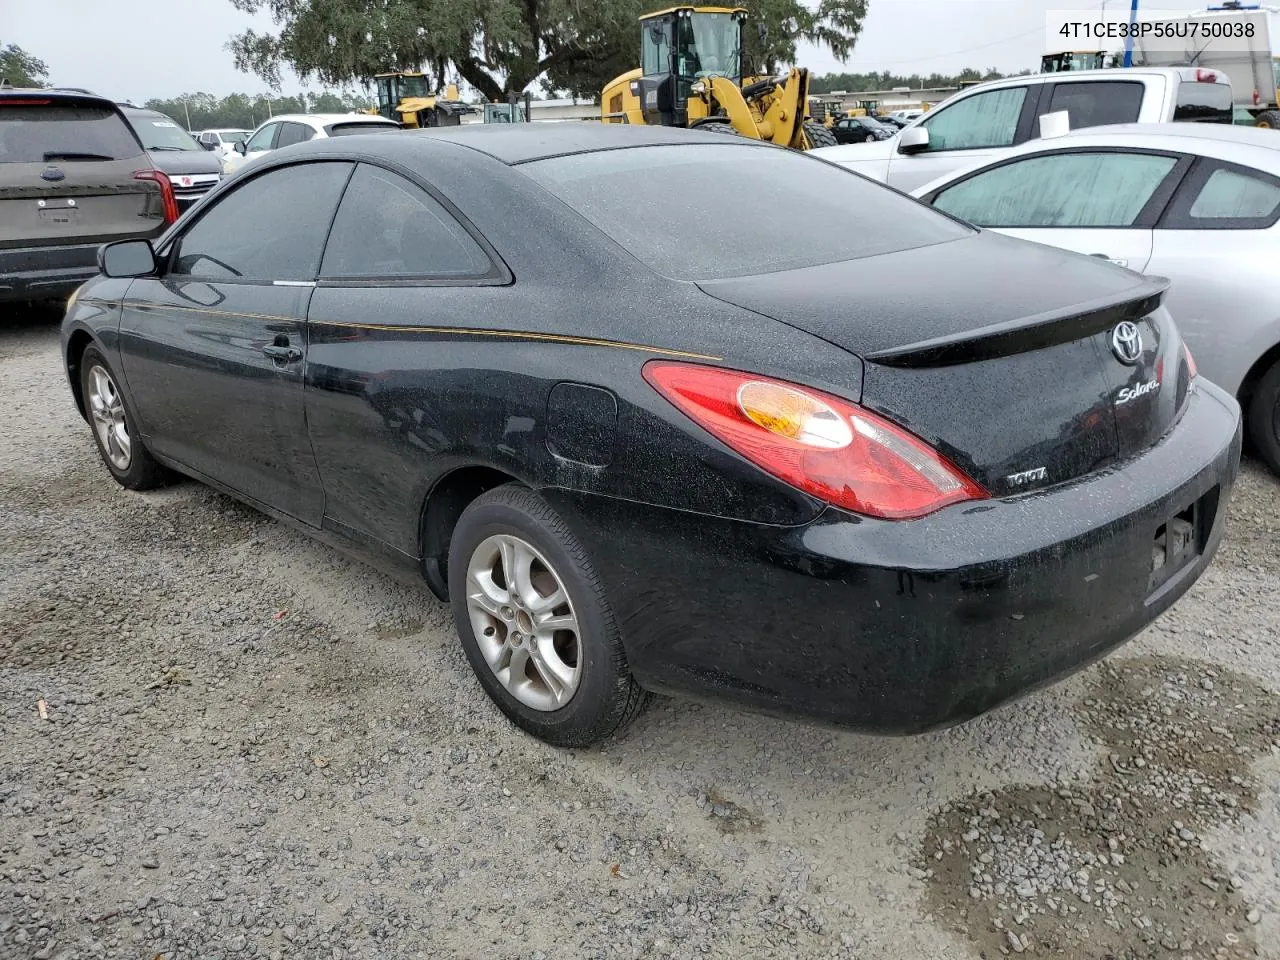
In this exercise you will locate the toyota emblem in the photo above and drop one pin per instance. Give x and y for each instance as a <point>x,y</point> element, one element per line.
<point>1126,342</point>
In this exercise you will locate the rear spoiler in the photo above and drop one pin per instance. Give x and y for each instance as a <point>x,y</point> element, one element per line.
<point>1030,333</point>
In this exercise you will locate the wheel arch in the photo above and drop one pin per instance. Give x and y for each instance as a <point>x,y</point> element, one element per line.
<point>1256,373</point>
<point>448,497</point>
<point>79,341</point>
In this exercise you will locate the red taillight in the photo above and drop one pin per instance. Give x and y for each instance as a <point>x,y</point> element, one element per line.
<point>22,102</point>
<point>167,198</point>
<point>1191,362</point>
<point>825,446</point>
<point>1206,76</point>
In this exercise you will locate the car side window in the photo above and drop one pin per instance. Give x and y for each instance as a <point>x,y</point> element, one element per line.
<point>262,140</point>
<point>1093,103</point>
<point>1222,196</point>
<point>291,133</point>
<point>389,227</point>
<point>1060,190</point>
<point>983,120</point>
<point>270,228</point>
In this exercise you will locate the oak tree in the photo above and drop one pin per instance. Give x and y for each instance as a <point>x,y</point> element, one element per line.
<point>503,46</point>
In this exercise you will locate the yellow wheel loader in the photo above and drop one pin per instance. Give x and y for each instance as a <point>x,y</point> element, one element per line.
<point>406,99</point>
<point>691,75</point>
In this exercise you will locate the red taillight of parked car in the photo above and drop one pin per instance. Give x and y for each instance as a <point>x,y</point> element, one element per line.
<point>1191,362</point>
<point>825,446</point>
<point>167,198</point>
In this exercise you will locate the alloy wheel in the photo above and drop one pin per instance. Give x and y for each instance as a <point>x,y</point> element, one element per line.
<point>524,622</point>
<point>107,410</point>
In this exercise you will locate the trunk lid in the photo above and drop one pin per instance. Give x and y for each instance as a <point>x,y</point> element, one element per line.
<point>67,174</point>
<point>997,352</point>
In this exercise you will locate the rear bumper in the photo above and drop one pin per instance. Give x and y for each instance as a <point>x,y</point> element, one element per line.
<point>46,273</point>
<point>902,627</point>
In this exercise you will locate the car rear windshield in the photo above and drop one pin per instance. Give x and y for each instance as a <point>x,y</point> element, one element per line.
<point>158,132</point>
<point>39,133</point>
<point>710,211</point>
<point>1204,103</point>
<point>357,126</point>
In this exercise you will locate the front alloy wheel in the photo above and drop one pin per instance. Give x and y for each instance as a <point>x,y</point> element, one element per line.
<point>109,422</point>
<point>122,450</point>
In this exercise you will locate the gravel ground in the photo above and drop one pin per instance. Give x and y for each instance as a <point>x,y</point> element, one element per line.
<point>253,747</point>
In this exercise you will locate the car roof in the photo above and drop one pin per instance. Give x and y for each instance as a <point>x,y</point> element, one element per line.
<point>513,143</point>
<point>323,119</point>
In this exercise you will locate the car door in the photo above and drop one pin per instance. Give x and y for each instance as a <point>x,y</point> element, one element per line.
<point>847,131</point>
<point>214,346</point>
<point>263,141</point>
<point>962,133</point>
<point>1099,202</point>
<point>383,391</point>
<point>1217,241</point>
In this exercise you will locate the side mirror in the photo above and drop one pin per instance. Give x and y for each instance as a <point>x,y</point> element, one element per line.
<point>240,147</point>
<point>127,258</point>
<point>913,140</point>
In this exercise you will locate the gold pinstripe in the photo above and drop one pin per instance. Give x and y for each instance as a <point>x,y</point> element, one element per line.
<point>519,335</point>
<point>446,331</point>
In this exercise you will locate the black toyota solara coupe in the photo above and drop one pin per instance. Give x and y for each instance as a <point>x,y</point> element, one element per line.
<point>639,405</point>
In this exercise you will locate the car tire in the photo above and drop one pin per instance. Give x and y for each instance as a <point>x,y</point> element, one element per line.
<point>818,135</point>
<point>1264,417</point>
<point>568,685</point>
<point>1269,119</point>
<point>124,453</point>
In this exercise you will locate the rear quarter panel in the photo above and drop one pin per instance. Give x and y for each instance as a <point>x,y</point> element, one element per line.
<point>1221,297</point>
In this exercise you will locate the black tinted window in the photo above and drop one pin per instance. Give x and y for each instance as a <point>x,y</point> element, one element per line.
<point>353,127</point>
<point>40,133</point>
<point>1095,103</point>
<point>687,212</point>
<point>1204,103</point>
<point>389,227</point>
<point>291,133</point>
<point>270,228</point>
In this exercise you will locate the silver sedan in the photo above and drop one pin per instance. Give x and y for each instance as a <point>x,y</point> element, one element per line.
<point>1197,203</point>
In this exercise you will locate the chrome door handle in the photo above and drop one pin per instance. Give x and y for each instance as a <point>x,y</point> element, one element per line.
<point>283,353</point>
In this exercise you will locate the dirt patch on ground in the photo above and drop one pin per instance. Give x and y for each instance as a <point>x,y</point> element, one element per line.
<point>1116,867</point>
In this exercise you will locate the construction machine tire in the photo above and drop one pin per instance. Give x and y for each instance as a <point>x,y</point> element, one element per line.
<point>818,135</point>
<point>1268,119</point>
<point>718,126</point>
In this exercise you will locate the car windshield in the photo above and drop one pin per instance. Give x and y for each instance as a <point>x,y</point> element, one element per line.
<point>680,210</point>
<point>234,136</point>
<point>39,133</point>
<point>158,132</point>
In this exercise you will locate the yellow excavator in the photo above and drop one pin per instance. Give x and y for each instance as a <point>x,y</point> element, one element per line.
<point>407,99</point>
<point>691,74</point>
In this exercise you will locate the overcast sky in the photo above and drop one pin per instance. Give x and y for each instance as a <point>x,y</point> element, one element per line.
<point>138,49</point>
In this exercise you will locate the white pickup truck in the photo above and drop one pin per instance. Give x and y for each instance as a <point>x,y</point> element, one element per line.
<point>984,121</point>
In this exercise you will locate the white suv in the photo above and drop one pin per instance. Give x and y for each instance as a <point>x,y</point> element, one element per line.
<point>223,142</point>
<point>288,129</point>
<point>984,121</point>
